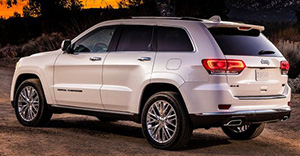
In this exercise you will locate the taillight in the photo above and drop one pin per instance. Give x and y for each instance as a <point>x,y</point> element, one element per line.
<point>284,66</point>
<point>223,66</point>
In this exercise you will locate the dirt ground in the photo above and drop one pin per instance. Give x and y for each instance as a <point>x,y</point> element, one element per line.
<point>69,134</point>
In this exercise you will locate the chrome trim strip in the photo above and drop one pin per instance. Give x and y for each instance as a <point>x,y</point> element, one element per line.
<point>261,97</point>
<point>250,112</point>
<point>92,110</point>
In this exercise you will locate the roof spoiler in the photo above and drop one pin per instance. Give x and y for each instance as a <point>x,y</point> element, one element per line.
<point>216,21</point>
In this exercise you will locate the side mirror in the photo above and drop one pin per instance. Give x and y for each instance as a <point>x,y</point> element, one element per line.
<point>66,46</point>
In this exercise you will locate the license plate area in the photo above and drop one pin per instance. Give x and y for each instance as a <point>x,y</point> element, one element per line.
<point>261,75</point>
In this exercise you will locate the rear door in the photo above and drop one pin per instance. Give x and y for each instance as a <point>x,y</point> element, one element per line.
<point>128,69</point>
<point>262,75</point>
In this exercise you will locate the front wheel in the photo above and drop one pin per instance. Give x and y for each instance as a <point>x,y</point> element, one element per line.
<point>165,122</point>
<point>30,104</point>
<point>245,132</point>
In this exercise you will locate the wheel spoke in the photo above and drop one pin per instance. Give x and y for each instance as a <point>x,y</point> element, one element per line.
<point>165,109</point>
<point>157,133</point>
<point>24,97</point>
<point>153,128</point>
<point>33,92</point>
<point>170,123</point>
<point>22,108</point>
<point>157,108</point>
<point>153,115</point>
<point>168,131</point>
<point>161,109</point>
<point>239,129</point>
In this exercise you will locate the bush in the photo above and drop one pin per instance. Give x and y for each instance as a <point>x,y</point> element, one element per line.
<point>291,51</point>
<point>41,44</point>
<point>9,51</point>
<point>290,33</point>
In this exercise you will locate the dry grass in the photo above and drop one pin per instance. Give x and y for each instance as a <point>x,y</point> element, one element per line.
<point>291,51</point>
<point>39,44</point>
<point>290,33</point>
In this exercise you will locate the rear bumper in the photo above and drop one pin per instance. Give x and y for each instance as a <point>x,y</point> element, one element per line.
<point>218,119</point>
<point>201,98</point>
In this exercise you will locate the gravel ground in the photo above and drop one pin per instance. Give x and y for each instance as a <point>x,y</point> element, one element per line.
<point>69,134</point>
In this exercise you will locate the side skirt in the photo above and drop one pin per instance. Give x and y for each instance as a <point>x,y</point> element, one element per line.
<point>95,112</point>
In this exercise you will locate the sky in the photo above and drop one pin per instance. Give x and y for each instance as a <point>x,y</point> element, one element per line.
<point>7,12</point>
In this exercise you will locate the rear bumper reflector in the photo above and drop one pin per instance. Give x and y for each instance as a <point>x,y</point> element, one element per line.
<point>268,97</point>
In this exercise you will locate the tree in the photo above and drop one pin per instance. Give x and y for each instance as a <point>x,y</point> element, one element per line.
<point>139,7</point>
<point>202,9</point>
<point>193,8</point>
<point>16,15</point>
<point>297,13</point>
<point>32,9</point>
<point>47,8</point>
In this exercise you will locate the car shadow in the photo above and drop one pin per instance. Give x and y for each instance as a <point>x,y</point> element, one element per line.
<point>205,140</point>
<point>97,126</point>
<point>198,140</point>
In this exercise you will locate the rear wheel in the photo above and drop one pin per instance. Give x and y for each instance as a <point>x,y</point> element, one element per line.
<point>245,132</point>
<point>165,122</point>
<point>30,104</point>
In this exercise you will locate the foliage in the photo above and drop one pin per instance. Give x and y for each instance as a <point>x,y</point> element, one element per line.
<point>291,51</point>
<point>202,9</point>
<point>47,8</point>
<point>32,9</point>
<point>290,33</point>
<point>193,8</point>
<point>297,13</point>
<point>36,45</point>
<point>42,43</point>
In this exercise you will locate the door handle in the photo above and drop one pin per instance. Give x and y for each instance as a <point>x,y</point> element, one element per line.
<point>95,58</point>
<point>144,59</point>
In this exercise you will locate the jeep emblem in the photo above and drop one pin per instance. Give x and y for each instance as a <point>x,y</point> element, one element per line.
<point>265,62</point>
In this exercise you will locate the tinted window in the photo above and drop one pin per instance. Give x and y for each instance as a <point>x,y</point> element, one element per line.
<point>135,38</point>
<point>235,42</point>
<point>96,41</point>
<point>173,39</point>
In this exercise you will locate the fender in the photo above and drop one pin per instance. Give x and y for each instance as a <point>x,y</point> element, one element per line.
<point>41,65</point>
<point>34,70</point>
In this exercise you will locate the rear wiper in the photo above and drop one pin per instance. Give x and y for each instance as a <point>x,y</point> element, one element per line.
<point>266,52</point>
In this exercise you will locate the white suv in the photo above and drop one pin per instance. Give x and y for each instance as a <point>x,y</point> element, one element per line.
<point>172,75</point>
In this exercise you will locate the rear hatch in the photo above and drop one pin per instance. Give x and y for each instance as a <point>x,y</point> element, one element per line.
<point>263,74</point>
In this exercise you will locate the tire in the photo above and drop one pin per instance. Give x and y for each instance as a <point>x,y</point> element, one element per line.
<point>105,119</point>
<point>245,132</point>
<point>163,133</point>
<point>30,105</point>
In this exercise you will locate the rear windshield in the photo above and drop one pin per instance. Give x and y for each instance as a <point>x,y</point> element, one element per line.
<point>235,42</point>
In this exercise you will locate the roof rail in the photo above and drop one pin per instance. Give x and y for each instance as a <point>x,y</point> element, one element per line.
<point>163,17</point>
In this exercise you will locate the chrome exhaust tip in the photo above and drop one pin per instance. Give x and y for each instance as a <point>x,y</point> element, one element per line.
<point>234,122</point>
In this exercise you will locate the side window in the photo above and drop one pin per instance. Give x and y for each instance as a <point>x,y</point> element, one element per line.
<point>96,41</point>
<point>173,39</point>
<point>136,38</point>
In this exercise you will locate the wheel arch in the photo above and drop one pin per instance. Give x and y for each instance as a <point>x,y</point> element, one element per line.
<point>25,76</point>
<point>153,88</point>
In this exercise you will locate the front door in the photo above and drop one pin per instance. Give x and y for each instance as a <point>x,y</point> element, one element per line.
<point>78,76</point>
